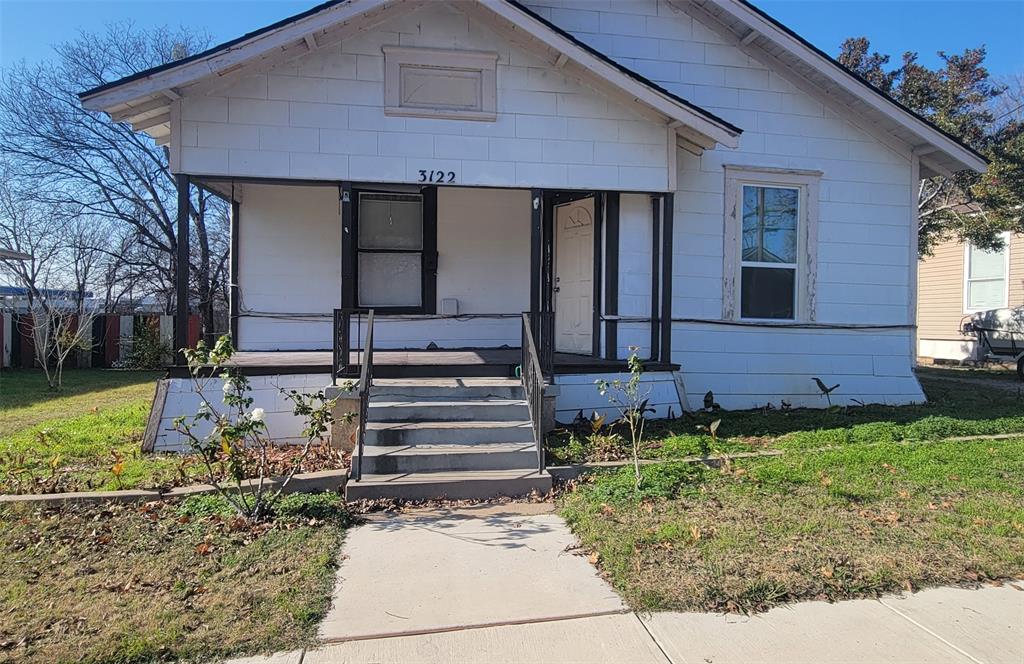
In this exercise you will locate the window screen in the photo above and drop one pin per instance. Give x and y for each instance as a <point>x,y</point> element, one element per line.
<point>390,246</point>
<point>769,256</point>
<point>986,278</point>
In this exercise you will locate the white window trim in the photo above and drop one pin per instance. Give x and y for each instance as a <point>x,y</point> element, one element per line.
<point>808,184</point>
<point>485,62</point>
<point>1006,275</point>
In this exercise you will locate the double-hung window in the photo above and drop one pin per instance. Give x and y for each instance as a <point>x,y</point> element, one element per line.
<point>768,267</point>
<point>985,277</point>
<point>770,237</point>
<point>390,250</point>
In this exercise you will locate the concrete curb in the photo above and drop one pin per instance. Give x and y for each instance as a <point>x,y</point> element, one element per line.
<point>325,480</point>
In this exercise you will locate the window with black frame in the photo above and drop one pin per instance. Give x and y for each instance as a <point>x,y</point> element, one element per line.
<point>390,248</point>
<point>769,261</point>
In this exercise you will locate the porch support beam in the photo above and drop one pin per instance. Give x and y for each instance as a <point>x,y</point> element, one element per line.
<point>656,204</point>
<point>348,254</point>
<point>668,215</point>
<point>611,275</point>
<point>536,244</point>
<point>236,218</point>
<point>181,268</point>
<point>599,207</point>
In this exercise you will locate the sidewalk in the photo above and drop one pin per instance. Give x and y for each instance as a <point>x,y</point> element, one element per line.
<point>503,584</point>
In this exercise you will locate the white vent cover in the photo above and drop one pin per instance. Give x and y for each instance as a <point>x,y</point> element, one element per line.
<point>449,306</point>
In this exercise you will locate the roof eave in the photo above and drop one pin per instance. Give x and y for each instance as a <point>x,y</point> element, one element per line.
<point>958,154</point>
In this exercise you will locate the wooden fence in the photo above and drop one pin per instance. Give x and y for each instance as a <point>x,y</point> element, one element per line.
<point>110,342</point>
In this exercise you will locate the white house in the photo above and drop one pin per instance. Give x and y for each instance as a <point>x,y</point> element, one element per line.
<point>688,177</point>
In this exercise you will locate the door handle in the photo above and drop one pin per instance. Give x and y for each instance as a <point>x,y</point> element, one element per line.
<point>556,289</point>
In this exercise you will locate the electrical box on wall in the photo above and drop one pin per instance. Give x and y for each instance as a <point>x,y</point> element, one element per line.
<point>449,306</point>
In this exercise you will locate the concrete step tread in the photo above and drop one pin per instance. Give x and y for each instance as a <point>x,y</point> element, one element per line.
<point>445,424</point>
<point>419,402</point>
<point>428,450</point>
<point>453,383</point>
<point>451,476</point>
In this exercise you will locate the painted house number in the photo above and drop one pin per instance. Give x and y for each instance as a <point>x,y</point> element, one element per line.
<point>437,176</point>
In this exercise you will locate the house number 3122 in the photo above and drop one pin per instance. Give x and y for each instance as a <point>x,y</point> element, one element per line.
<point>437,176</point>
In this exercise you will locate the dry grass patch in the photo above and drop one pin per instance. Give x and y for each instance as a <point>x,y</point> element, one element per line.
<point>164,582</point>
<point>850,522</point>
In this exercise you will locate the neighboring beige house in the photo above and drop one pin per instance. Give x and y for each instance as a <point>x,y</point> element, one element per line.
<point>959,280</point>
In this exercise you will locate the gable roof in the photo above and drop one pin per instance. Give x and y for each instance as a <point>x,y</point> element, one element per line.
<point>940,151</point>
<point>144,98</point>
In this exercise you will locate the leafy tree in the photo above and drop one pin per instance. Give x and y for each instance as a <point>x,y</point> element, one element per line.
<point>961,98</point>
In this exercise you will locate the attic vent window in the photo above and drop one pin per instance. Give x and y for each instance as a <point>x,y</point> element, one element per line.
<point>433,83</point>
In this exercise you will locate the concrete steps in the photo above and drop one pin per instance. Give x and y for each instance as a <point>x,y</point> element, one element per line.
<point>416,409</point>
<point>447,432</point>
<point>460,485</point>
<point>441,458</point>
<point>444,388</point>
<point>449,437</point>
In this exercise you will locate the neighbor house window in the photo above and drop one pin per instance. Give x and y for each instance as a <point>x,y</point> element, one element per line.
<point>985,277</point>
<point>771,233</point>
<point>390,250</point>
<point>436,83</point>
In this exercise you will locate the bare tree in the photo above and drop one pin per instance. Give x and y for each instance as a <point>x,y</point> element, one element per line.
<point>60,244</point>
<point>112,173</point>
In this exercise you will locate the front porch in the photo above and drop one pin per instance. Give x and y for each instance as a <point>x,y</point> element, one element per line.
<point>441,363</point>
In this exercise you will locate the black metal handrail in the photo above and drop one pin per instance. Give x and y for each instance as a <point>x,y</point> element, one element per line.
<point>363,390</point>
<point>532,376</point>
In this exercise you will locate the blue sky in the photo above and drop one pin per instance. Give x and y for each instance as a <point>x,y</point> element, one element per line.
<point>29,27</point>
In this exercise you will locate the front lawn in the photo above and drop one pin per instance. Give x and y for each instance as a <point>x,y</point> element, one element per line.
<point>71,439</point>
<point>163,582</point>
<point>88,436</point>
<point>856,520</point>
<point>957,406</point>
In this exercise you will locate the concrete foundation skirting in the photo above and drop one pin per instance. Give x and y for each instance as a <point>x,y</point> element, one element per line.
<point>571,472</point>
<point>326,480</point>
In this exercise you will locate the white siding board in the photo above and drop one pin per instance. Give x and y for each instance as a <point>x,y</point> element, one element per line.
<point>338,90</point>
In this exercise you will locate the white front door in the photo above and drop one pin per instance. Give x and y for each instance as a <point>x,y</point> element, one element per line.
<point>574,276</point>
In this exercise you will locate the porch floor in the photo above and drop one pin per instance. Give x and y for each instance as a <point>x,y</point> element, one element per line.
<point>421,363</point>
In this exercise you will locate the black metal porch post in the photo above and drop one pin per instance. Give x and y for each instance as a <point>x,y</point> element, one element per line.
<point>536,258</point>
<point>668,215</point>
<point>611,275</point>
<point>181,268</point>
<point>234,304</point>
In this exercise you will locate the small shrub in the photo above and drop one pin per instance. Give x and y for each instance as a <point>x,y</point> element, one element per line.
<point>606,447</point>
<point>148,351</point>
<point>323,506</point>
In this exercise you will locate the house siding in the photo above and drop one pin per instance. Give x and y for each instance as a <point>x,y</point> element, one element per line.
<point>266,126</point>
<point>322,116</point>
<point>864,227</point>
<point>940,308</point>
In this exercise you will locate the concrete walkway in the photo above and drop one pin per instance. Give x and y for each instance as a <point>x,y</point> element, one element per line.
<point>504,584</point>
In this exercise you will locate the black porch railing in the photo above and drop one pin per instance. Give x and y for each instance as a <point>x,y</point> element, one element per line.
<point>533,375</point>
<point>341,362</point>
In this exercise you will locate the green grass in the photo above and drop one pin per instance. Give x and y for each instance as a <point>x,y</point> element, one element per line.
<point>25,399</point>
<point>953,409</point>
<point>70,439</point>
<point>853,521</point>
<point>164,582</point>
